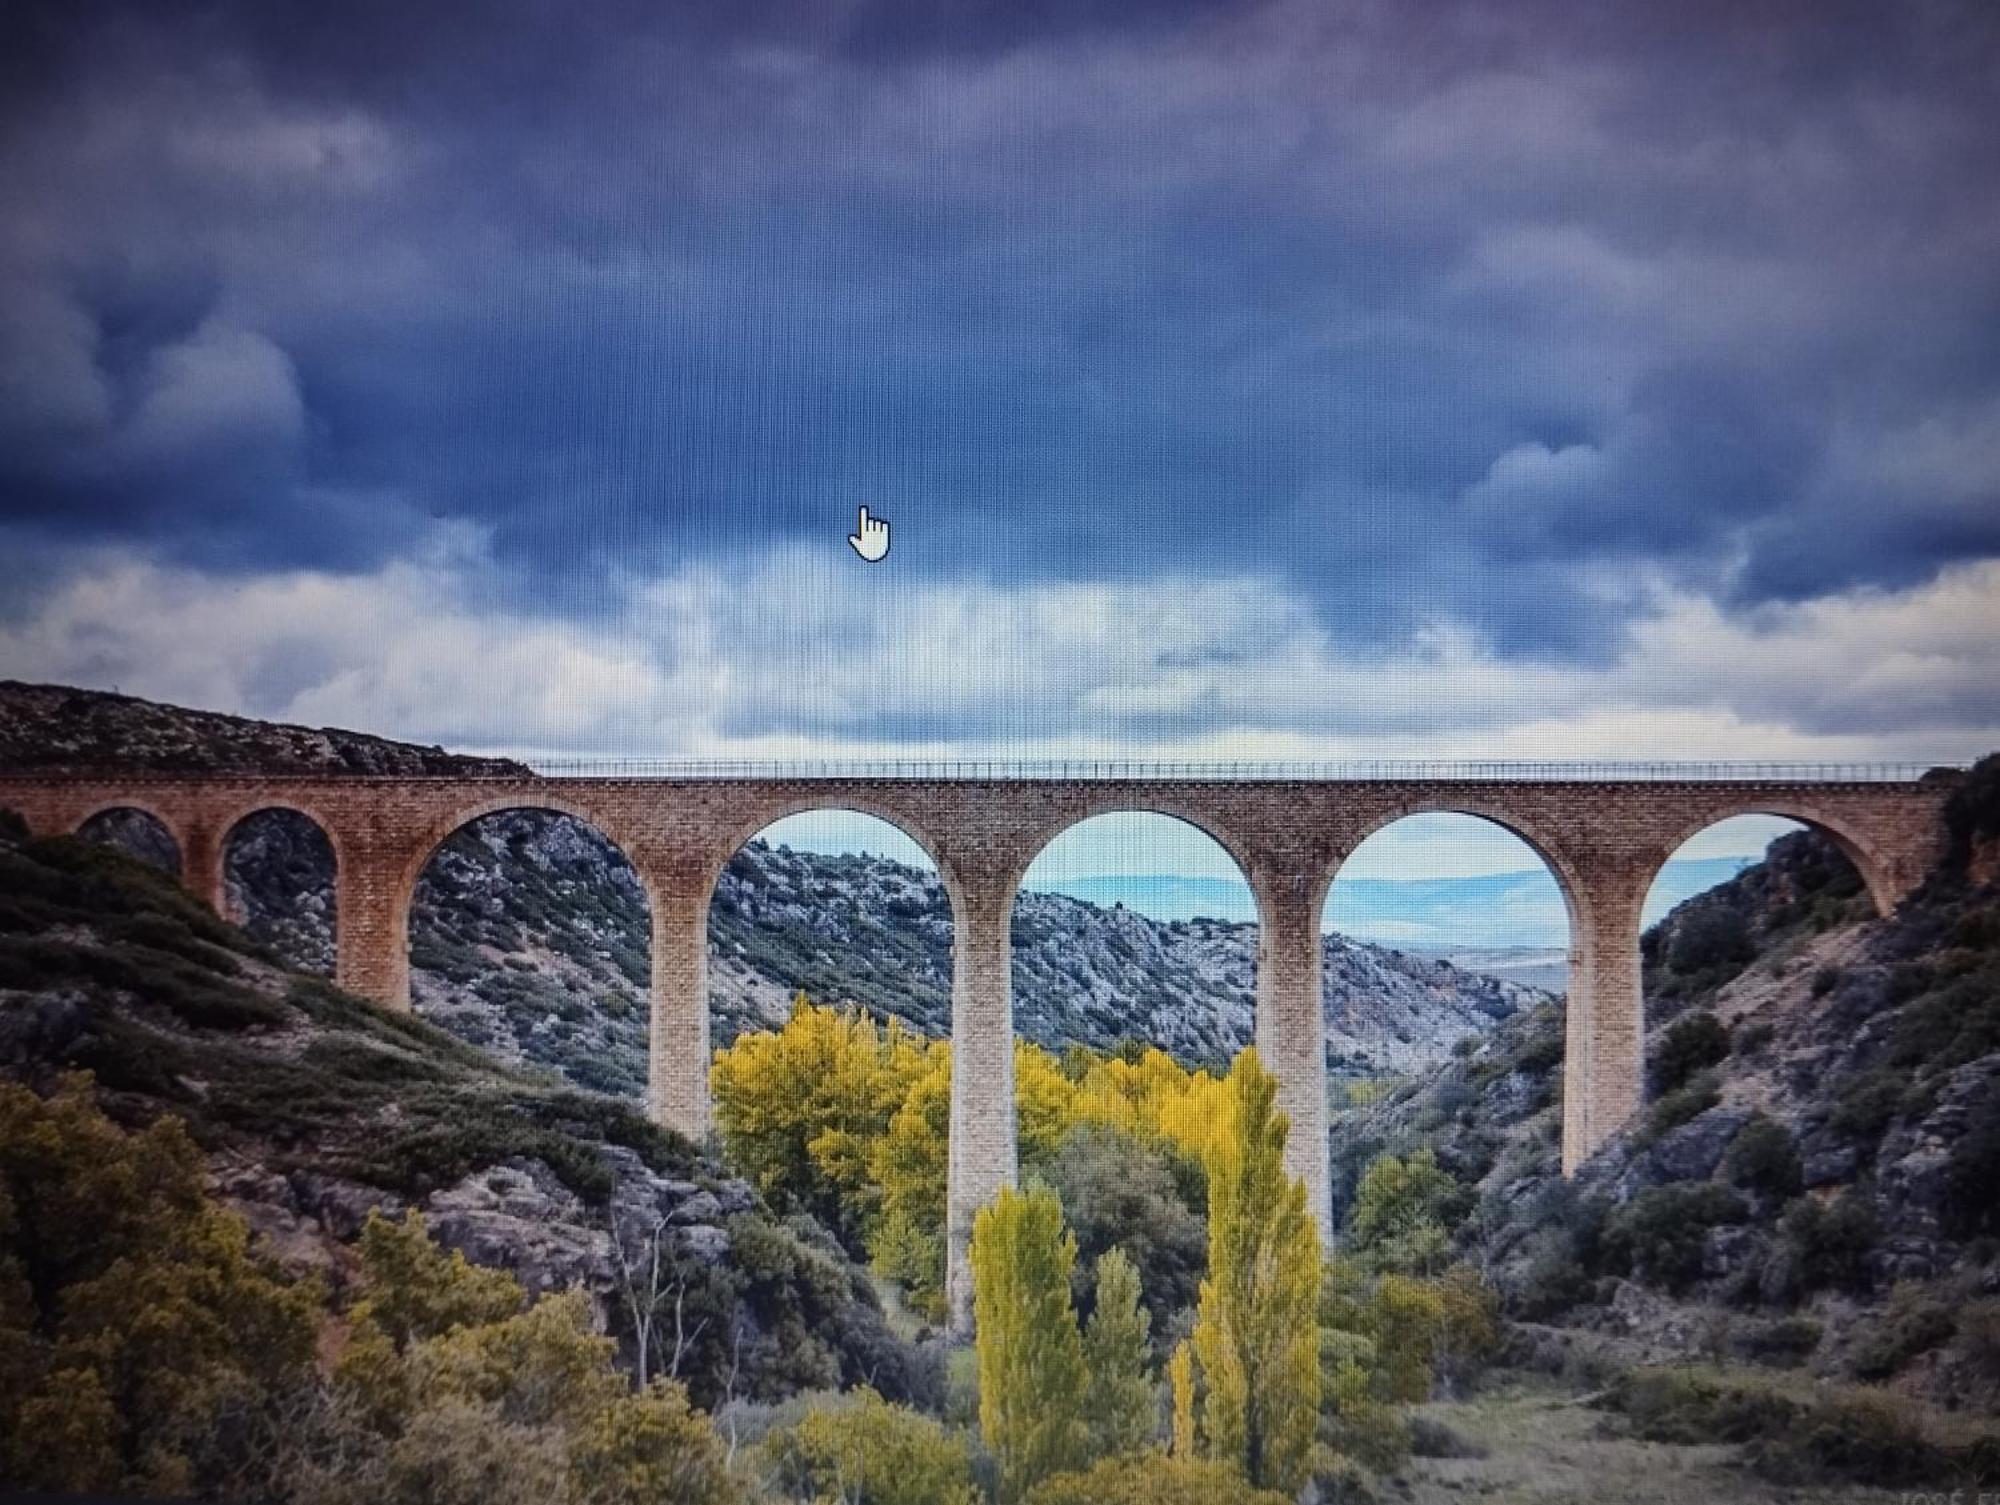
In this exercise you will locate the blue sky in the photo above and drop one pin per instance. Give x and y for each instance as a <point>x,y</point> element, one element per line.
<point>1261,379</point>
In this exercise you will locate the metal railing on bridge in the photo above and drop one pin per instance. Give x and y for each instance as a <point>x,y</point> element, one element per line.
<point>972,770</point>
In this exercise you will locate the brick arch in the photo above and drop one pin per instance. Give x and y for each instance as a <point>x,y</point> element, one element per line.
<point>738,835</point>
<point>175,833</point>
<point>433,836</point>
<point>1570,883</point>
<point>1041,837</point>
<point>1869,860</point>
<point>232,819</point>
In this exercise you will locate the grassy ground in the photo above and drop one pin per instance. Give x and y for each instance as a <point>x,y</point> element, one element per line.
<point>1542,1448</point>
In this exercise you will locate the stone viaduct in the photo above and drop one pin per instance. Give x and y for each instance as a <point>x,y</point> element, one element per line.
<point>1604,839</point>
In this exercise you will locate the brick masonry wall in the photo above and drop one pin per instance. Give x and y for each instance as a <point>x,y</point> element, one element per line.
<point>1603,841</point>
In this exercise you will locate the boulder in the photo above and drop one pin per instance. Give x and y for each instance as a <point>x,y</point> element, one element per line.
<point>518,1217</point>
<point>1694,1150</point>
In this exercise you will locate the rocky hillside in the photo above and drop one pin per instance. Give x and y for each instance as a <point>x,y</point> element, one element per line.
<point>314,1107</point>
<point>529,939</point>
<point>56,726</point>
<point>1813,1180</point>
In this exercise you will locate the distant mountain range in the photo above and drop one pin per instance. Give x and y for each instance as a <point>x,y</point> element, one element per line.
<point>1522,909</point>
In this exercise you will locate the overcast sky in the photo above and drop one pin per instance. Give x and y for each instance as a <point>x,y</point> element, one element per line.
<point>1240,380</point>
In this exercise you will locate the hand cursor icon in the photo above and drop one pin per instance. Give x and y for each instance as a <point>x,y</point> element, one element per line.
<point>871,542</point>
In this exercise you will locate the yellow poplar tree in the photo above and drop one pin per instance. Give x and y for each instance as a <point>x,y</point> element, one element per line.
<point>1032,1378</point>
<point>1119,1405</point>
<point>1256,1331</point>
<point>1044,1103</point>
<point>911,1166</point>
<point>801,1107</point>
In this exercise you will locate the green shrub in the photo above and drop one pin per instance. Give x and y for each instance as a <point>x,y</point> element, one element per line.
<point>1972,812</point>
<point>1660,1234</point>
<point>1971,1208</point>
<point>869,1452</point>
<point>1873,1439</point>
<point>1832,1240</point>
<point>1683,1105</point>
<point>1979,1338</point>
<point>1763,1159</point>
<point>1863,1437</point>
<point>1690,1407</point>
<point>1868,1104</point>
<point>1152,1480</point>
<point>1689,1045</point>
<point>1914,1322</point>
<point>1543,1052</point>
<point>1143,1195</point>
<point>1710,937</point>
<point>1404,1213</point>
<point>1785,1343</point>
<point>1950,1024</point>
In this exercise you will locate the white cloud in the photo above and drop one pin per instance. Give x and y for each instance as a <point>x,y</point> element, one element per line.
<point>787,658</point>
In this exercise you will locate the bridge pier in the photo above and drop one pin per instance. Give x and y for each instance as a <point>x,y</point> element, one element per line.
<point>677,1043</point>
<point>201,862</point>
<point>371,950</point>
<point>1604,1036</point>
<point>1291,1030</point>
<point>981,1153</point>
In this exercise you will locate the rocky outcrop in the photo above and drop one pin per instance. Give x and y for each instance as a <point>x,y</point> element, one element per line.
<point>57,726</point>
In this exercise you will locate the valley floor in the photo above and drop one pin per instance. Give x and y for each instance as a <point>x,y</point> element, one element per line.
<point>1543,1446</point>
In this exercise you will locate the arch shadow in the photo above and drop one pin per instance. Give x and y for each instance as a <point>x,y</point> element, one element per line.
<point>168,828</point>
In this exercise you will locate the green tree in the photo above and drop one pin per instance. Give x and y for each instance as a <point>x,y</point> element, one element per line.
<point>870,1453</point>
<point>1031,1368</point>
<point>1119,1406</point>
<point>653,1446</point>
<point>485,1397</point>
<point>909,1164</point>
<point>1256,1333</point>
<point>418,1290</point>
<point>1402,1213</point>
<point>1138,1191</point>
<point>1180,1379</point>
<point>1153,1480</point>
<point>142,1348</point>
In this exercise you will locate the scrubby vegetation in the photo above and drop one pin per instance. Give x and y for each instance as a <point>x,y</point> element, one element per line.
<point>321,1105</point>
<point>1807,1191</point>
<point>147,1349</point>
<point>407,1372</point>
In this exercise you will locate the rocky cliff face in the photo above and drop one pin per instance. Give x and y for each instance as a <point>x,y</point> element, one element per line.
<point>1813,1180</point>
<point>529,939</point>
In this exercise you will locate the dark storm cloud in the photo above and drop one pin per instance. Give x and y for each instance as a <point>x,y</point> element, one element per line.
<point>1467,314</point>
